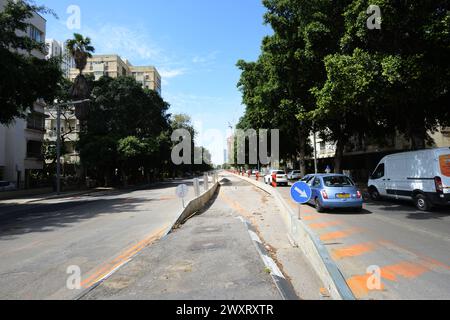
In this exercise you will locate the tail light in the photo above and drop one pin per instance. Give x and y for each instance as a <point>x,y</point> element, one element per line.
<point>358,194</point>
<point>324,194</point>
<point>439,185</point>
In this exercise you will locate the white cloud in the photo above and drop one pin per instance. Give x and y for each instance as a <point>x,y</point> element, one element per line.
<point>132,43</point>
<point>206,60</point>
<point>171,73</point>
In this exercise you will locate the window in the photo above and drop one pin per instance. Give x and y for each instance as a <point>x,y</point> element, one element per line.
<point>316,183</point>
<point>36,121</point>
<point>34,149</point>
<point>323,146</point>
<point>36,34</point>
<point>379,172</point>
<point>338,182</point>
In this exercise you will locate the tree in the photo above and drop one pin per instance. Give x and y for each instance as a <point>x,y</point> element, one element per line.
<point>80,49</point>
<point>23,77</point>
<point>345,107</point>
<point>127,129</point>
<point>412,50</point>
<point>277,88</point>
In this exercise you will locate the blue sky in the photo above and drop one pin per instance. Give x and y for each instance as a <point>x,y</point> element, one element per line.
<point>195,45</point>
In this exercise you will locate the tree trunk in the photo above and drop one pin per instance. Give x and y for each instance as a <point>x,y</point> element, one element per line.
<point>339,156</point>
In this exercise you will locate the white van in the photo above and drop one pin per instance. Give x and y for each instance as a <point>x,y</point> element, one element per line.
<point>423,176</point>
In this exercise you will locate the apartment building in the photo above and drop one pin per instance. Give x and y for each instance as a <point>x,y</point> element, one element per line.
<point>114,66</point>
<point>57,49</point>
<point>21,141</point>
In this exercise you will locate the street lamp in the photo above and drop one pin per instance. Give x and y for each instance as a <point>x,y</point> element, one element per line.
<point>58,139</point>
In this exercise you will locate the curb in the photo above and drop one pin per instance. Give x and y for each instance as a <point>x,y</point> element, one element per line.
<point>312,247</point>
<point>284,287</point>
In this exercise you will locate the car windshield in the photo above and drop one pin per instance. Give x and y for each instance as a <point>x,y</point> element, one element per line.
<point>279,172</point>
<point>337,181</point>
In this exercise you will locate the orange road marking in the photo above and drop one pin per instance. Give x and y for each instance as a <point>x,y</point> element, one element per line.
<point>309,218</point>
<point>338,234</point>
<point>324,225</point>
<point>424,260</point>
<point>358,285</point>
<point>352,251</point>
<point>404,269</point>
<point>108,267</point>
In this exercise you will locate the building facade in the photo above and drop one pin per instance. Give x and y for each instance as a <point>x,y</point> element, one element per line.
<point>361,157</point>
<point>21,141</point>
<point>57,49</point>
<point>114,66</point>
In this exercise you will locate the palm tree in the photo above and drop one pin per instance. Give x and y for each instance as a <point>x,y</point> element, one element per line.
<point>80,49</point>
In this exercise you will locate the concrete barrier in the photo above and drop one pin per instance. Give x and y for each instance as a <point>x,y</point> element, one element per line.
<point>194,206</point>
<point>311,246</point>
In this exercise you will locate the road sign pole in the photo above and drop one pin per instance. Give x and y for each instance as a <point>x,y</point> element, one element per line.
<point>299,211</point>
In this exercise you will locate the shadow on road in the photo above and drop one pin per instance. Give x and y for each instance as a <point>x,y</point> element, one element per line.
<point>47,217</point>
<point>407,208</point>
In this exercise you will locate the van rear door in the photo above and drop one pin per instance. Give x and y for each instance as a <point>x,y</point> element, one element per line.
<point>444,170</point>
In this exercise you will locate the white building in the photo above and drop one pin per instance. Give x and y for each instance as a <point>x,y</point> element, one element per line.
<point>57,49</point>
<point>21,141</point>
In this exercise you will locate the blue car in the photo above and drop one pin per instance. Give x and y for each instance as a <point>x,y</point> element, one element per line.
<point>330,191</point>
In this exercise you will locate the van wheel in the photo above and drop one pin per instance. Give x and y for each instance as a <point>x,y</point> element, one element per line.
<point>422,203</point>
<point>374,194</point>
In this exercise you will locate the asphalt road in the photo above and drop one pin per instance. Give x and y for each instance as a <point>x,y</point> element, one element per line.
<point>411,249</point>
<point>97,233</point>
<point>212,256</point>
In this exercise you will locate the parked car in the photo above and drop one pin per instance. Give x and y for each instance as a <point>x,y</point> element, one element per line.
<point>281,178</point>
<point>7,186</point>
<point>421,176</point>
<point>307,178</point>
<point>294,175</point>
<point>330,191</point>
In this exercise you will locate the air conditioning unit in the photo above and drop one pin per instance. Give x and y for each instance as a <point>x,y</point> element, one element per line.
<point>445,130</point>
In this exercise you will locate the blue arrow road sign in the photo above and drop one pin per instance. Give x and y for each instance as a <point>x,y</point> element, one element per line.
<point>301,192</point>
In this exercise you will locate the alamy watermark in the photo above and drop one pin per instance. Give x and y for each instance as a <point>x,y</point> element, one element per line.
<point>73,22</point>
<point>375,20</point>
<point>74,280</point>
<point>374,279</point>
<point>258,142</point>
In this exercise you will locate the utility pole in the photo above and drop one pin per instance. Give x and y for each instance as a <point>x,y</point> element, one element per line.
<point>58,139</point>
<point>315,150</point>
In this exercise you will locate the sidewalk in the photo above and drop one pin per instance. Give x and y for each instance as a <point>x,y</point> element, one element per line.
<point>212,256</point>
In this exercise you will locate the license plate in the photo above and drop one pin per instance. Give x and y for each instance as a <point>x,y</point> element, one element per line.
<point>343,196</point>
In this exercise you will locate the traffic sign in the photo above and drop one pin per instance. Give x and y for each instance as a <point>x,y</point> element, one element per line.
<point>182,191</point>
<point>301,192</point>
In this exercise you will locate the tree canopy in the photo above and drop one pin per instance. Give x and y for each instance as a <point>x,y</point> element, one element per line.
<point>324,70</point>
<point>23,77</point>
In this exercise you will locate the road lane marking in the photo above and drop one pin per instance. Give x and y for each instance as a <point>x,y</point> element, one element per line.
<point>105,269</point>
<point>352,251</point>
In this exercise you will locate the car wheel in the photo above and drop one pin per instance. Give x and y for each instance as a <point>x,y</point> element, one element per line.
<point>319,207</point>
<point>422,203</point>
<point>374,194</point>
